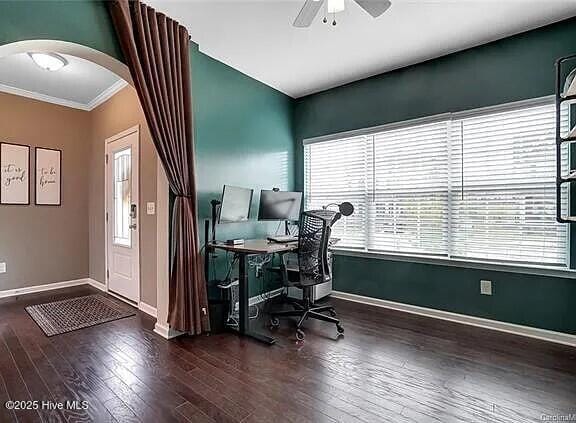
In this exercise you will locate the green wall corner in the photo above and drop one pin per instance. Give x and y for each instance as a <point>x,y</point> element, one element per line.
<point>512,69</point>
<point>243,138</point>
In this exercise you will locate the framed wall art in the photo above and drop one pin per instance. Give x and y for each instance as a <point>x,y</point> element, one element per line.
<point>48,177</point>
<point>14,174</point>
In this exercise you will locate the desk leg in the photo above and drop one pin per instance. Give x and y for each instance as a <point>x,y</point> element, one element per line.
<point>243,294</point>
<point>207,252</point>
<point>244,324</point>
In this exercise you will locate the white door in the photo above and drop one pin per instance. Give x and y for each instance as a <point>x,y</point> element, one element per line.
<point>122,215</point>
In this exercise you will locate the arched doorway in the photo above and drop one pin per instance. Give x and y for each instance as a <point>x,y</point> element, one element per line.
<point>159,252</point>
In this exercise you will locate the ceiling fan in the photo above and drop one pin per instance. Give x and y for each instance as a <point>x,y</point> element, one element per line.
<point>311,8</point>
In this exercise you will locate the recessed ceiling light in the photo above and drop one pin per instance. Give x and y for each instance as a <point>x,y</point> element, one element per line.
<point>49,61</point>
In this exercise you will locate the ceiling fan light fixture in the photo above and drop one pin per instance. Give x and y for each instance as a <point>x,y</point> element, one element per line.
<point>48,61</point>
<point>335,6</point>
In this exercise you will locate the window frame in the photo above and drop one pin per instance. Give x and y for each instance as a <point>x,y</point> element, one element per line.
<point>525,268</point>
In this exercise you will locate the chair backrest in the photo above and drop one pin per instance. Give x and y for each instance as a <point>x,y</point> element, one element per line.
<point>313,239</point>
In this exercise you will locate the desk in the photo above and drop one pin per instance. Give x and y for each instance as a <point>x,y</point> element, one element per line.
<point>250,247</point>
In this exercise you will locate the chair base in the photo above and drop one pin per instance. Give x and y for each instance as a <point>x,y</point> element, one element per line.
<point>306,309</point>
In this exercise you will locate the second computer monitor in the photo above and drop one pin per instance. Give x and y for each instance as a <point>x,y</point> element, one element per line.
<point>280,205</point>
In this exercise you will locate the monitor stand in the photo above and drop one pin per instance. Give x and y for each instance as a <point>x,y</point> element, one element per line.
<point>215,206</point>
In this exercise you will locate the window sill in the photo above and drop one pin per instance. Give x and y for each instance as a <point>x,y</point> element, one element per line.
<point>558,272</point>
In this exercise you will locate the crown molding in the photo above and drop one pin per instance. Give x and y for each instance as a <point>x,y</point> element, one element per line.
<point>42,97</point>
<point>107,94</point>
<point>101,98</point>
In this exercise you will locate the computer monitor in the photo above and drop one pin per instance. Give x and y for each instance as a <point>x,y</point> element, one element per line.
<point>235,205</point>
<point>279,205</point>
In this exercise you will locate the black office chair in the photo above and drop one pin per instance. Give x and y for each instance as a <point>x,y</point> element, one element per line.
<point>314,268</point>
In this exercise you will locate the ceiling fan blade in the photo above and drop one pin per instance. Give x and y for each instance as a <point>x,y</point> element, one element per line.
<point>374,7</point>
<point>308,13</point>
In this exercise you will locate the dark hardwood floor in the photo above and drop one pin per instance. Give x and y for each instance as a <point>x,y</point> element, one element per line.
<point>389,366</point>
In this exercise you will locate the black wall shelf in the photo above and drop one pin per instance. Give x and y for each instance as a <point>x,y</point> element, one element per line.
<point>564,94</point>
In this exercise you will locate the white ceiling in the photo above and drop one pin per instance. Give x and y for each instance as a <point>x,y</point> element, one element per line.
<point>257,37</point>
<point>80,84</point>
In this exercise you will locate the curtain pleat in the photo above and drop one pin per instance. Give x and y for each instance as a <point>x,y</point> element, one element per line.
<point>156,49</point>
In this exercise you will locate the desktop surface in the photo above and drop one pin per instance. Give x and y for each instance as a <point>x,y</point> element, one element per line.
<point>256,246</point>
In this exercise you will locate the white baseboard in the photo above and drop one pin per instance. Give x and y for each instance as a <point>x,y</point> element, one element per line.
<point>142,306</point>
<point>96,284</point>
<point>542,334</point>
<point>166,332</point>
<point>148,309</point>
<point>44,287</point>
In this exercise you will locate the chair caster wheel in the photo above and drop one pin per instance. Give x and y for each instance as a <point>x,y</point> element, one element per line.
<point>340,329</point>
<point>332,313</point>
<point>300,335</point>
<point>274,322</point>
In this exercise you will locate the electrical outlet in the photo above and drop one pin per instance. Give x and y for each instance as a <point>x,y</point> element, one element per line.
<point>485,287</point>
<point>2,267</point>
<point>151,208</point>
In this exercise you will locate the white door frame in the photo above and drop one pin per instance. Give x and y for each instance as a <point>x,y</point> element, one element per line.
<point>129,131</point>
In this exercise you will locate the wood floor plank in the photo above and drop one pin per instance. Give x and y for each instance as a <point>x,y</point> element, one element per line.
<point>272,388</point>
<point>389,367</point>
<point>155,394</point>
<point>54,382</point>
<point>15,385</point>
<point>78,383</point>
<point>193,414</point>
<point>34,382</point>
<point>6,414</point>
<point>76,388</point>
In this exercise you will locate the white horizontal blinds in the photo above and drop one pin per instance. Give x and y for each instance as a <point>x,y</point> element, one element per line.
<point>408,213</point>
<point>503,201</point>
<point>478,186</point>
<point>337,171</point>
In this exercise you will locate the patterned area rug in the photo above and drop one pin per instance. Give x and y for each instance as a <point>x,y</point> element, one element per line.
<point>71,314</point>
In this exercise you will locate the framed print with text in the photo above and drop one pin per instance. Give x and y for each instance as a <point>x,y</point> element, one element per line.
<point>48,177</point>
<point>14,174</point>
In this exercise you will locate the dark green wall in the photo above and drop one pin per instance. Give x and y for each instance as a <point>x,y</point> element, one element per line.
<point>516,68</point>
<point>243,127</point>
<point>85,22</point>
<point>538,301</point>
<point>243,138</point>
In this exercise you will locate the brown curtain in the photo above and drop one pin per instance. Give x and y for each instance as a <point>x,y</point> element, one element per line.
<point>156,50</point>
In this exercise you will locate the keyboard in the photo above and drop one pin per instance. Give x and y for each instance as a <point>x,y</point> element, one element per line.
<point>282,239</point>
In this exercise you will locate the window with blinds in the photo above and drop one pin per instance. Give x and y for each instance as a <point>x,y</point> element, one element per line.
<point>478,186</point>
<point>339,171</point>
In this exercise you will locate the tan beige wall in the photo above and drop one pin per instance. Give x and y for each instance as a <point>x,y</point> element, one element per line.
<point>45,244</point>
<point>119,113</point>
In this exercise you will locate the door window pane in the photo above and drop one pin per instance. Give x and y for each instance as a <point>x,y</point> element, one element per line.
<point>122,197</point>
